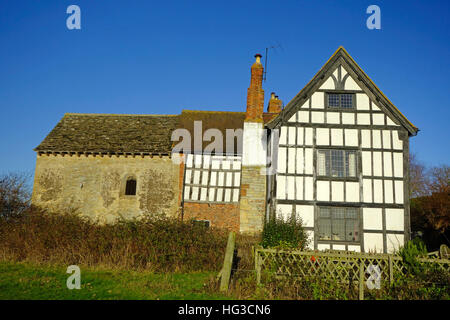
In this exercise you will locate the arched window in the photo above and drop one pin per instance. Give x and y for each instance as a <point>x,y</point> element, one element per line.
<point>130,188</point>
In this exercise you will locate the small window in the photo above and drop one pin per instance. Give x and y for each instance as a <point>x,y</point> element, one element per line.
<point>337,163</point>
<point>130,188</point>
<point>341,100</point>
<point>339,224</point>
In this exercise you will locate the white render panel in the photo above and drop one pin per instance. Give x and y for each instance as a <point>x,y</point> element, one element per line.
<point>205,178</point>
<point>378,190</point>
<point>317,117</point>
<point>388,191</point>
<point>395,219</point>
<point>348,118</point>
<point>337,191</point>
<point>354,248</point>
<point>305,104</point>
<point>387,163</point>
<point>333,118</point>
<point>291,160</point>
<point>308,136</point>
<point>376,137</point>
<point>196,177</point>
<point>281,160</point>
<point>283,136</point>
<point>203,193</point>
<point>213,178</point>
<point>309,188</point>
<point>398,164</point>
<point>399,192</point>
<point>328,84</point>
<point>323,246</point>
<point>306,213</point>
<point>350,84</point>
<point>351,137</point>
<point>377,164</point>
<point>284,211</point>
<point>317,100</point>
<point>337,137</point>
<point>299,188</point>
<point>397,143</point>
<point>352,191</point>
<point>187,178</point>
<point>226,164</point>
<point>300,160</point>
<point>219,194</point>
<point>291,187</point>
<point>372,219</point>
<point>303,116</point>
<point>363,118</point>
<point>338,246</point>
<point>367,190</point>
<point>365,139</point>
<point>378,119</point>
<point>293,118</point>
<point>323,136</point>
<point>362,101</point>
<point>323,190</point>
<point>187,189</point>
<point>373,242</point>
<point>237,179</point>
<point>375,107</point>
<point>300,133</point>
<point>309,161</point>
<point>291,135</point>
<point>212,193</point>
<point>366,157</point>
<point>386,139</point>
<point>281,187</point>
<point>394,242</point>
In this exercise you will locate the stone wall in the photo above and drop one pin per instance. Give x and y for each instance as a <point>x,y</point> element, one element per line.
<point>253,199</point>
<point>220,215</point>
<point>95,185</point>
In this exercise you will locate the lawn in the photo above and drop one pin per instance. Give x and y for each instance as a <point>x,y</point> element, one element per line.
<point>36,281</point>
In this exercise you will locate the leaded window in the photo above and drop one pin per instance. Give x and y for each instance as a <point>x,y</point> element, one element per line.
<point>341,100</point>
<point>339,224</point>
<point>336,163</point>
<point>212,178</point>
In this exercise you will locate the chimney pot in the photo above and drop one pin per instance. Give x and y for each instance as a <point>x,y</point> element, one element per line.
<point>258,58</point>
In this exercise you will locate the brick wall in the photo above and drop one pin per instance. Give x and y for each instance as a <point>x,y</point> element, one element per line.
<point>220,215</point>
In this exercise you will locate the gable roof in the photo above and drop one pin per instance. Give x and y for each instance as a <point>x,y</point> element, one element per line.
<point>342,57</point>
<point>115,133</point>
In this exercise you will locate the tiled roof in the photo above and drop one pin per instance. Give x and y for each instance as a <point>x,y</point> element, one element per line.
<point>111,133</point>
<point>117,133</point>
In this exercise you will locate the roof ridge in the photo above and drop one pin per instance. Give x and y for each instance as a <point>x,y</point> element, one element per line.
<point>210,111</point>
<point>120,114</point>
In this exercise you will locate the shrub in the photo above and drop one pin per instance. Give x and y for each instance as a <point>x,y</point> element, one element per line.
<point>160,245</point>
<point>284,234</point>
<point>410,252</point>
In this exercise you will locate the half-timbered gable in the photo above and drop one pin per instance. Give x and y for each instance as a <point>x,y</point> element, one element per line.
<point>342,161</point>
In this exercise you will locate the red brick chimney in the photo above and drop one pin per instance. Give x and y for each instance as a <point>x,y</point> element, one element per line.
<point>274,104</point>
<point>255,93</point>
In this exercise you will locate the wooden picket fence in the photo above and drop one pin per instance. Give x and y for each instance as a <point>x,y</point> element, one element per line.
<point>337,265</point>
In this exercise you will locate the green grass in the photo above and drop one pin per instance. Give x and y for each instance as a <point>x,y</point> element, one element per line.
<point>33,281</point>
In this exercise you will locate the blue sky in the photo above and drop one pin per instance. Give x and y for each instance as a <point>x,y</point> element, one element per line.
<point>159,57</point>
